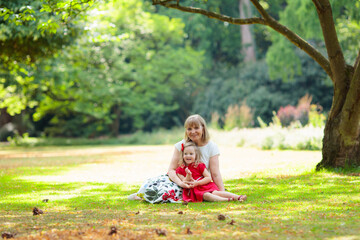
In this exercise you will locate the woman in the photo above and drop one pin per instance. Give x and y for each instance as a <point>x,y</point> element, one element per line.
<point>168,188</point>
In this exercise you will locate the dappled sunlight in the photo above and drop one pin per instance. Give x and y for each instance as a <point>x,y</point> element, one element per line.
<point>295,201</point>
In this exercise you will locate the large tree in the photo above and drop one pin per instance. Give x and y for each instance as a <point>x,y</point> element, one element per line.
<point>341,135</point>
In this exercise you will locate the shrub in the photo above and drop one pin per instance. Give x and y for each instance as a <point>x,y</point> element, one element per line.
<point>316,117</point>
<point>215,117</point>
<point>268,143</point>
<point>240,117</point>
<point>303,109</point>
<point>286,115</point>
<point>300,113</point>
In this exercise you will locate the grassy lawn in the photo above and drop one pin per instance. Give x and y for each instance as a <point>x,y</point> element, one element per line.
<point>282,204</point>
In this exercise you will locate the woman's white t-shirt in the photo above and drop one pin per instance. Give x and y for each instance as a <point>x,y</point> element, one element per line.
<point>207,151</point>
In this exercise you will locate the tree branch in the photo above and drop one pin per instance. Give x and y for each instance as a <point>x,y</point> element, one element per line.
<point>209,14</point>
<point>260,9</point>
<point>266,20</point>
<point>317,5</point>
<point>336,57</point>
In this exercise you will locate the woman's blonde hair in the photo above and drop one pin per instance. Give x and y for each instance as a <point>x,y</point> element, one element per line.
<point>196,120</point>
<point>197,154</point>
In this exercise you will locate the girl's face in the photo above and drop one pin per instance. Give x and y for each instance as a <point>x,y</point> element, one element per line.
<point>189,155</point>
<point>195,133</point>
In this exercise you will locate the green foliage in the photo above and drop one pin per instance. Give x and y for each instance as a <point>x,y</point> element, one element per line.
<point>301,17</point>
<point>131,70</point>
<point>252,83</point>
<point>23,44</point>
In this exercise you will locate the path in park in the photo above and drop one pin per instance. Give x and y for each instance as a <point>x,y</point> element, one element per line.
<point>133,164</point>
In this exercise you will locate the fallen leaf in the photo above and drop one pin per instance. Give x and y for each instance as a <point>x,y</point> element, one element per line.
<point>160,232</point>
<point>37,211</point>
<point>185,203</point>
<point>221,217</point>
<point>232,222</point>
<point>45,200</point>
<point>113,230</point>
<point>7,235</point>
<point>188,231</point>
<point>137,212</point>
<point>180,212</point>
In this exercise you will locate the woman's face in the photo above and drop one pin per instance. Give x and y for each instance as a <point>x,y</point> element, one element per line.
<point>195,133</point>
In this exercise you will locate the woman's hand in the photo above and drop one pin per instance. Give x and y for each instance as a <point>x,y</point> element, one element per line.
<point>184,185</point>
<point>193,184</point>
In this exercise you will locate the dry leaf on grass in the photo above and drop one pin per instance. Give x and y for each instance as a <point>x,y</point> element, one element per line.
<point>7,235</point>
<point>180,212</point>
<point>221,217</point>
<point>232,222</point>
<point>160,232</point>
<point>113,230</point>
<point>37,211</point>
<point>188,231</point>
<point>91,233</point>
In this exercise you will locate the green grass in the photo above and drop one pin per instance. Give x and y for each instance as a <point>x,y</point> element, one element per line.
<point>299,205</point>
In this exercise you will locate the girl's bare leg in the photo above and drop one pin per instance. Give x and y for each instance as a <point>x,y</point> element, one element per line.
<point>214,198</point>
<point>229,195</point>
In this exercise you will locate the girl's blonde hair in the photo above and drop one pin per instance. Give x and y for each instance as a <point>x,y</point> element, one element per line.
<point>197,154</point>
<point>196,120</point>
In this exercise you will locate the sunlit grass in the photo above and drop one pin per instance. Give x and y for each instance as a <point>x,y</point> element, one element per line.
<point>288,202</point>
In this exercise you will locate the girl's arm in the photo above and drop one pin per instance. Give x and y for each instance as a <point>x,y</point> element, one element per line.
<point>215,172</point>
<point>205,180</point>
<point>172,169</point>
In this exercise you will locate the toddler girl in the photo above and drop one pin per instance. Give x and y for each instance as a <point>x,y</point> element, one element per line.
<point>198,179</point>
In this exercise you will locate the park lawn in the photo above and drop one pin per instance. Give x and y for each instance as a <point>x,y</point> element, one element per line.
<point>300,204</point>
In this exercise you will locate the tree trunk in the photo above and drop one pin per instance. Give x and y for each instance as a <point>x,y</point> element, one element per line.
<point>335,153</point>
<point>115,126</point>
<point>340,149</point>
<point>247,42</point>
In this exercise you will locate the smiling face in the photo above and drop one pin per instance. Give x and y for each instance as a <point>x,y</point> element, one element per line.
<point>196,130</point>
<point>195,133</point>
<point>189,155</point>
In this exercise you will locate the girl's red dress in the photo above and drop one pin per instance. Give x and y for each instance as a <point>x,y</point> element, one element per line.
<point>196,194</point>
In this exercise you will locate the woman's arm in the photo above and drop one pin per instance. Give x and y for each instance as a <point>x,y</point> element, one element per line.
<point>172,169</point>
<point>215,172</point>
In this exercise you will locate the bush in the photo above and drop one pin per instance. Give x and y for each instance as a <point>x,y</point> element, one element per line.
<point>240,117</point>
<point>316,117</point>
<point>286,115</point>
<point>290,114</point>
<point>215,118</point>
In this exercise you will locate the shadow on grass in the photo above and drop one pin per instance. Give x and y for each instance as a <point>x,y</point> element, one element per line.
<point>313,205</point>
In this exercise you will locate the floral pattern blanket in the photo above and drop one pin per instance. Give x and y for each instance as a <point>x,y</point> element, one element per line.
<point>160,190</point>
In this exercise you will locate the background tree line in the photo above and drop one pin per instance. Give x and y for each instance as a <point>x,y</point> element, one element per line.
<point>98,68</point>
